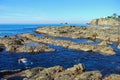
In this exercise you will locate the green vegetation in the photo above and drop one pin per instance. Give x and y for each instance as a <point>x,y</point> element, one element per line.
<point>114,16</point>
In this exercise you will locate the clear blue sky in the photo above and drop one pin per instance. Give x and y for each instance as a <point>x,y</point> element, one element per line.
<point>55,11</point>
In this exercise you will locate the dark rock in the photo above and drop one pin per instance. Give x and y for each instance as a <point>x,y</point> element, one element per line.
<point>1,49</point>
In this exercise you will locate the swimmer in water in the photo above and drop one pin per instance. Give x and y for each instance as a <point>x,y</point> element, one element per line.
<point>25,62</point>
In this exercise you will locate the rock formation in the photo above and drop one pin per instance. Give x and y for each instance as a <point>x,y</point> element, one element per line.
<point>112,77</point>
<point>96,33</point>
<point>119,46</point>
<point>77,72</point>
<point>18,45</point>
<point>72,45</point>
<point>104,21</point>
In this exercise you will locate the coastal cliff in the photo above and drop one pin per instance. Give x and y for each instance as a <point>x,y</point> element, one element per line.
<point>104,21</point>
<point>109,20</point>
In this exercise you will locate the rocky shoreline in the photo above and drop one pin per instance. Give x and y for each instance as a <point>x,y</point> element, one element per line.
<point>77,72</point>
<point>68,44</point>
<point>20,43</point>
<point>109,34</point>
<point>16,45</point>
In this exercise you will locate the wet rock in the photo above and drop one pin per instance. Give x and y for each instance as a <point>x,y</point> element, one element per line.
<point>32,72</point>
<point>112,77</point>
<point>77,69</point>
<point>35,49</point>
<point>98,33</point>
<point>14,44</point>
<point>11,44</point>
<point>91,75</point>
<point>6,74</point>
<point>108,50</point>
<point>77,72</point>
<point>90,41</point>
<point>70,73</point>
<point>103,43</point>
<point>72,45</point>
<point>119,46</point>
<point>18,74</point>
<point>47,74</point>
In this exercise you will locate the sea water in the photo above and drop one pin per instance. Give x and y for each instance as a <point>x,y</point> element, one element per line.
<point>62,56</point>
<point>13,29</point>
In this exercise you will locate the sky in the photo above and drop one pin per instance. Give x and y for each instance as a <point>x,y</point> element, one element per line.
<point>55,11</point>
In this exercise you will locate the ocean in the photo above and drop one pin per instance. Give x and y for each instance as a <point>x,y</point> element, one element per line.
<point>13,29</point>
<point>62,56</point>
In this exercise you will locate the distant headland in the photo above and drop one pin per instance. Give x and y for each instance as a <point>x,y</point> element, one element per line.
<point>109,20</point>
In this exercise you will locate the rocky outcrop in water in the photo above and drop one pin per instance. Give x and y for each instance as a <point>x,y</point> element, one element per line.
<point>68,44</point>
<point>109,34</point>
<point>14,44</point>
<point>77,72</point>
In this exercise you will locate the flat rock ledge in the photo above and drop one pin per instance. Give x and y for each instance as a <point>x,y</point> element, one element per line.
<point>107,50</point>
<point>109,33</point>
<point>14,44</point>
<point>77,72</point>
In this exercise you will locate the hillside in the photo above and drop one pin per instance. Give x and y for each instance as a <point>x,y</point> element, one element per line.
<point>109,20</point>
